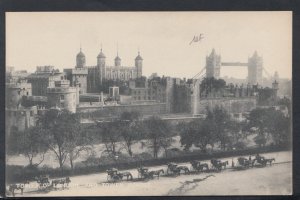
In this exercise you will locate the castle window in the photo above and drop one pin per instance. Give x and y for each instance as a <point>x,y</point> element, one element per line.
<point>62,97</point>
<point>62,105</point>
<point>139,98</point>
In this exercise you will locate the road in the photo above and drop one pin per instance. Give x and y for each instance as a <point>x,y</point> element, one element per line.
<point>275,180</point>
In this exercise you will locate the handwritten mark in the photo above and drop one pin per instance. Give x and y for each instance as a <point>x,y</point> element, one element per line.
<point>197,38</point>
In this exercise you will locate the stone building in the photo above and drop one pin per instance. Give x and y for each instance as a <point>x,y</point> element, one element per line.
<point>160,90</point>
<point>44,77</point>
<point>63,96</point>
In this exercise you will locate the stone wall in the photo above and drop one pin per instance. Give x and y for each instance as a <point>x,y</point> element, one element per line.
<point>115,110</point>
<point>232,105</point>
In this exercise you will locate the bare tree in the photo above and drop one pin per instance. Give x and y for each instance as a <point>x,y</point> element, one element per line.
<point>29,143</point>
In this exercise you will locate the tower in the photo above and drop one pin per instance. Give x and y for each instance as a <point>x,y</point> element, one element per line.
<point>101,66</point>
<point>255,67</point>
<point>117,61</point>
<point>80,60</point>
<point>213,65</point>
<point>139,65</point>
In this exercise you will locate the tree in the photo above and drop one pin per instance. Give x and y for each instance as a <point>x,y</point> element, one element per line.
<point>131,129</point>
<point>29,143</point>
<point>186,134</point>
<point>279,127</point>
<point>220,120</point>
<point>61,133</point>
<point>110,135</point>
<point>199,133</point>
<point>79,141</point>
<point>272,122</point>
<point>157,132</point>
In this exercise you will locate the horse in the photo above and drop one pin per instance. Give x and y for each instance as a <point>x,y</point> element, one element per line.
<point>127,174</point>
<point>224,164</point>
<point>263,161</point>
<point>270,160</point>
<point>156,173</point>
<point>172,167</point>
<point>62,181</point>
<point>17,186</point>
<point>183,168</point>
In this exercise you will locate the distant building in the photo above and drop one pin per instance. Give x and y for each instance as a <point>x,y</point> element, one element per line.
<point>44,77</point>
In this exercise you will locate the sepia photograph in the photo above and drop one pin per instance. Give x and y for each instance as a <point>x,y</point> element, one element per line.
<point>148,103</point>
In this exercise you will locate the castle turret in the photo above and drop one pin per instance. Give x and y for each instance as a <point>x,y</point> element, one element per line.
<point>101,66</point>
<point>80,60</point>
<point>139,65</point>
<point>117,61</point>
<point>62,95</point>
<point>275,89</point>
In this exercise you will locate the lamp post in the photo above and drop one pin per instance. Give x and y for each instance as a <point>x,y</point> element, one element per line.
<point>116,158</point>
<point>232,163</point>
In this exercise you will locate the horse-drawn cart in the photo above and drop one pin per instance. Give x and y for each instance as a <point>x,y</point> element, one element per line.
<point>198,166</point>
<point>173,168</point>
<point>144,173</point>
<point>114,175</point>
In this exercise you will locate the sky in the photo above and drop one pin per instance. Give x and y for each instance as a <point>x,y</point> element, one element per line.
<point>163,38</point>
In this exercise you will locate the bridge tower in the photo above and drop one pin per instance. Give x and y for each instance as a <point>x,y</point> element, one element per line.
<point>213,65</point>
<point>255,68</point>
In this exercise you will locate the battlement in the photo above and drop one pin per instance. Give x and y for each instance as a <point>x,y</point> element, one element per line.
<point>77,71</point>
<point>61,90</point>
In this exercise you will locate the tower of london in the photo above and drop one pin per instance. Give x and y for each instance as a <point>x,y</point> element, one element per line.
<point>91,77</point>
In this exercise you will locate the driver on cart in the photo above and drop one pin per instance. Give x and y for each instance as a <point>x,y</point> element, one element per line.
<point>259,157</point>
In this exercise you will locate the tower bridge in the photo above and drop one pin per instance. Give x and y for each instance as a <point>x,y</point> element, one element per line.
<point>254,64</point>
<point>213,68</point>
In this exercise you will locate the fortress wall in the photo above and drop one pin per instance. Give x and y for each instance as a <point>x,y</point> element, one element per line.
<point>232,105</point>
<point>115,110</point>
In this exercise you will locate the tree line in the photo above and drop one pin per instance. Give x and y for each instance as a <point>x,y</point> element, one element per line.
<point>61,132</point>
